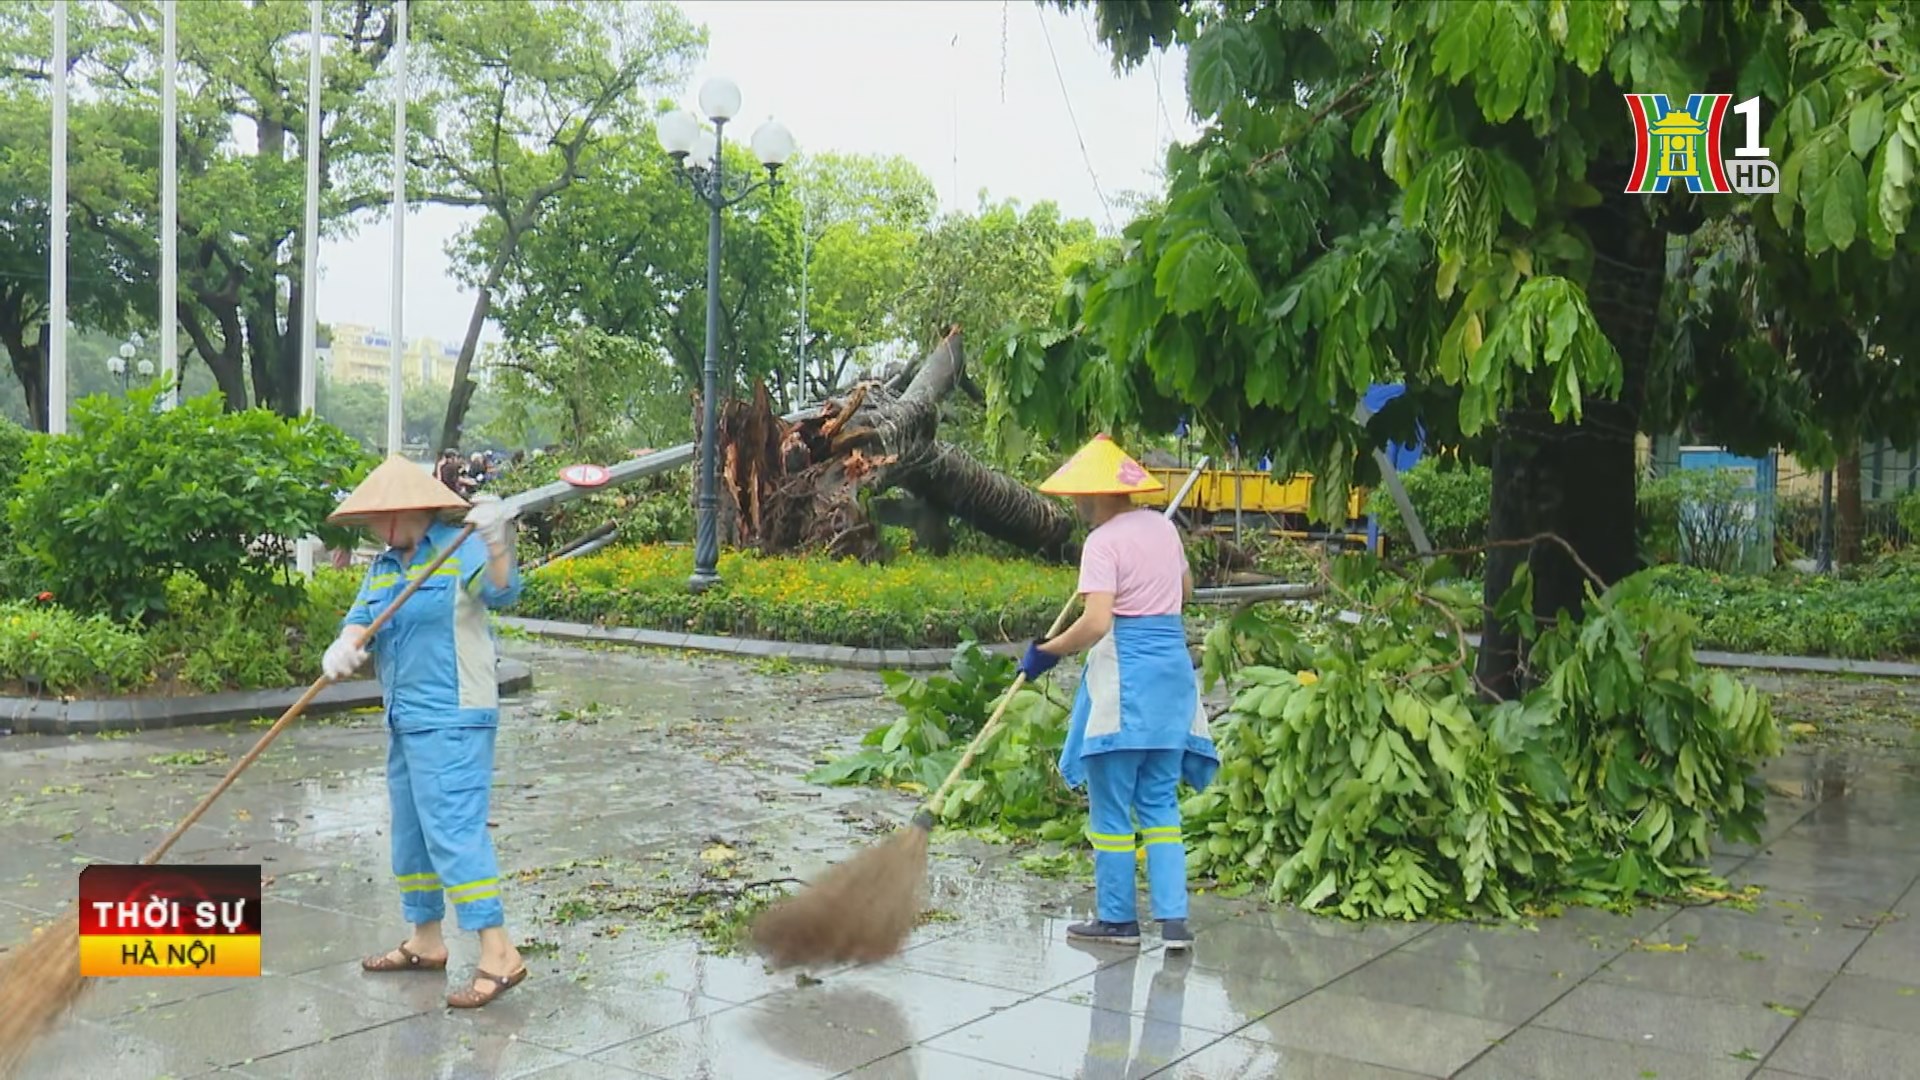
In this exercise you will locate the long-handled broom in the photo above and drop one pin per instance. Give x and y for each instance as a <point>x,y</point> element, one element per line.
<point>862,910</point>
<point>40,981</point>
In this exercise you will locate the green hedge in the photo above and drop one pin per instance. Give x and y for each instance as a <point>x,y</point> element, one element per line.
<point>207,642</point>
<point>1871,615</point>
<point>910,602</point>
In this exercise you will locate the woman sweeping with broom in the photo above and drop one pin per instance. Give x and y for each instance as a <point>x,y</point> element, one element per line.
<point>436,667</point>
<point>1137,729</point>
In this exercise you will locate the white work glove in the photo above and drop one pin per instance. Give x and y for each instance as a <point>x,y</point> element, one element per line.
<point>490,518</point>
<point>342,659</point>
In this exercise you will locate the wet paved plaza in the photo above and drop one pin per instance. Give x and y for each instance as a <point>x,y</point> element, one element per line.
<point>632,786</point>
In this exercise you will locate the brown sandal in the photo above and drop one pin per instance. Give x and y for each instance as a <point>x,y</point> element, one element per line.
<point>409,961</point>
<point>473,999</point>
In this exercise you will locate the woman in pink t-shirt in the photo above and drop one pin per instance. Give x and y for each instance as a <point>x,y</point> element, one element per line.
<point>1137,729</point>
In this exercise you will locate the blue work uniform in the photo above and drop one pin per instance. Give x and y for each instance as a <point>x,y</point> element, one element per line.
<point>1137,728</point>
<point>439,684</point>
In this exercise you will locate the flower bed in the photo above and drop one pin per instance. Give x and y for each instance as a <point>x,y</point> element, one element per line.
<point>914,601</point>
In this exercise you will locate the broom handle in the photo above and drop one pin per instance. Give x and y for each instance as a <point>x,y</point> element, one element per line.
<point>298,707</point>
<point>993,723</point>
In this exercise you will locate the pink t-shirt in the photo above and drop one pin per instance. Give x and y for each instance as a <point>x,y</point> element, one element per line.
<point>1137,556</point>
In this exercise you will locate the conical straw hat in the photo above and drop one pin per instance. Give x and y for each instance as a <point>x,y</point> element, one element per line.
<point>397,485</point>
<point>1100,468</point>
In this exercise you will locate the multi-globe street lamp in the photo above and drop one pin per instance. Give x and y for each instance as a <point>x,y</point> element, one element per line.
<point>119,365</point>
<point>698,155</point>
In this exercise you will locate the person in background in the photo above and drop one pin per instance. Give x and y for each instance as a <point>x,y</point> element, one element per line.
<point>1137,728</point>
<point>437,669</point>
<point>447,471</point>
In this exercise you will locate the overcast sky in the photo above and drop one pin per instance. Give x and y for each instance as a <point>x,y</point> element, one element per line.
<point>966,89</point>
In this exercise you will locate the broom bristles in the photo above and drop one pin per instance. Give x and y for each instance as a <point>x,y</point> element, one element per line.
<point>860,910</point>
<point>39,982</point>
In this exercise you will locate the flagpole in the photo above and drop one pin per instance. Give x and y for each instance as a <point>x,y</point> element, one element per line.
<point>310,256</point>
<point>395,388</point>
<point>169,223</point>
<point>57,245</point>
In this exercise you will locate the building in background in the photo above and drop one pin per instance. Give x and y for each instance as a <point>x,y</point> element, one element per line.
<point>355,353</point>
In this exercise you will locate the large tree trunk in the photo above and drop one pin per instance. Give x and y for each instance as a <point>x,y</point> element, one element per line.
<point>1575,480</point>
<point>1851,518</point>
<point>27,356</point>
<point>463,385</point>
<point>808,487</point>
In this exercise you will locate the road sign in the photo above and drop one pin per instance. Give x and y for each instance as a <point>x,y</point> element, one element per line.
<point>585,475</point>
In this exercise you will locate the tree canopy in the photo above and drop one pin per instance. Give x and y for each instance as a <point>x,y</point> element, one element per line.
<point>1434,193</point>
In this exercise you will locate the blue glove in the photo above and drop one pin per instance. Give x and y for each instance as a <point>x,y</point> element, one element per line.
<point>1037,662</point>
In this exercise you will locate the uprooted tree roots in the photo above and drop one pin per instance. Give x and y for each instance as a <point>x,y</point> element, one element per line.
<point>808,486</point>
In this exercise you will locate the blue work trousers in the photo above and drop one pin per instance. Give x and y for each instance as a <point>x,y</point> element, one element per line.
<point>1125,786</point>
<point>439,782</point>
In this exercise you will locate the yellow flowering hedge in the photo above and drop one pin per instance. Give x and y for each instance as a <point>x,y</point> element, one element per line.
<point>911,602</point>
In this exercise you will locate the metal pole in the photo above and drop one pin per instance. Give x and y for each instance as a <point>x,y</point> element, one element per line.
<point>706,544</point>
<point>310,256</point>
<point>57,247</point>
<point>169,220</point>
<point>396,390</point>
<point>806,257</point>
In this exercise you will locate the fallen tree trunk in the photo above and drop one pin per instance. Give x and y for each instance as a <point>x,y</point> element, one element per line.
<point>808,486</point>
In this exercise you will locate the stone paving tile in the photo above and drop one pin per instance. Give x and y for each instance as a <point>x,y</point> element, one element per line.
<point>1046,1036</point>
<point>584,1070</point>
<point>560,1015</point>
<point>1170,990</point>
<point>1549,949</point>
<point>1248,950</point>
<point>1888,955</point>
<point>889,999</point>
<point>1535,1053</point>
<point>237,1026</point>
<point>1031,958</point>
<point>1830,1050</point>
<point>416,1048</point>
<point>1732,936</point>
<point>1247,1058</point>
<point>1881,1003</point>
<point>749,1041</point>
<point>1742,982</point>
<point>1412,1039</point>
<point>920,1063</point>
<point>1688,1025</point>
<point>1506,995</point>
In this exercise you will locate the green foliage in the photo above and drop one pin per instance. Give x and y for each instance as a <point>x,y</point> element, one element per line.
<point>911,602</point>
<point>48,649</point>
<point>209,641</point>
<point>1451,499</point>
<point>1702,517</point>
<point>657,510</point>
<point>109,511</point>
<point>1014,785</point>
<point>1907,512</point>
<point>1874,615</point>
<point>605,395</point>
<point>1361,773</point>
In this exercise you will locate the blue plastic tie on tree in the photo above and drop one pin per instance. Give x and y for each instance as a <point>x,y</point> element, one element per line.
<point>1266,462</point>
<point>1180,430</point>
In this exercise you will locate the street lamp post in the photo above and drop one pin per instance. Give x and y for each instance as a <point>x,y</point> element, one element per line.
<point>124,364</point>
<point>698,156</point>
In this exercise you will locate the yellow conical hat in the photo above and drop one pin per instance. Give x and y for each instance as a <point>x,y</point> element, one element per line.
<point>1100,468</point>
<point>397,485</point>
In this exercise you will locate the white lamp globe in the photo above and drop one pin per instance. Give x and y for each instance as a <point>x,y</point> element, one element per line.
<point>145,368</point>
<point>678,132</point>
<point>773,144</point>
<point>117,365</point>
<point>126,350</point>
<point>705,149</point>
<point>720,98</point>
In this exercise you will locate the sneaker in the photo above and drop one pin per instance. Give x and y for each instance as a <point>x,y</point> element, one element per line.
<point>1175,935</point>
<point>1127,933</point>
